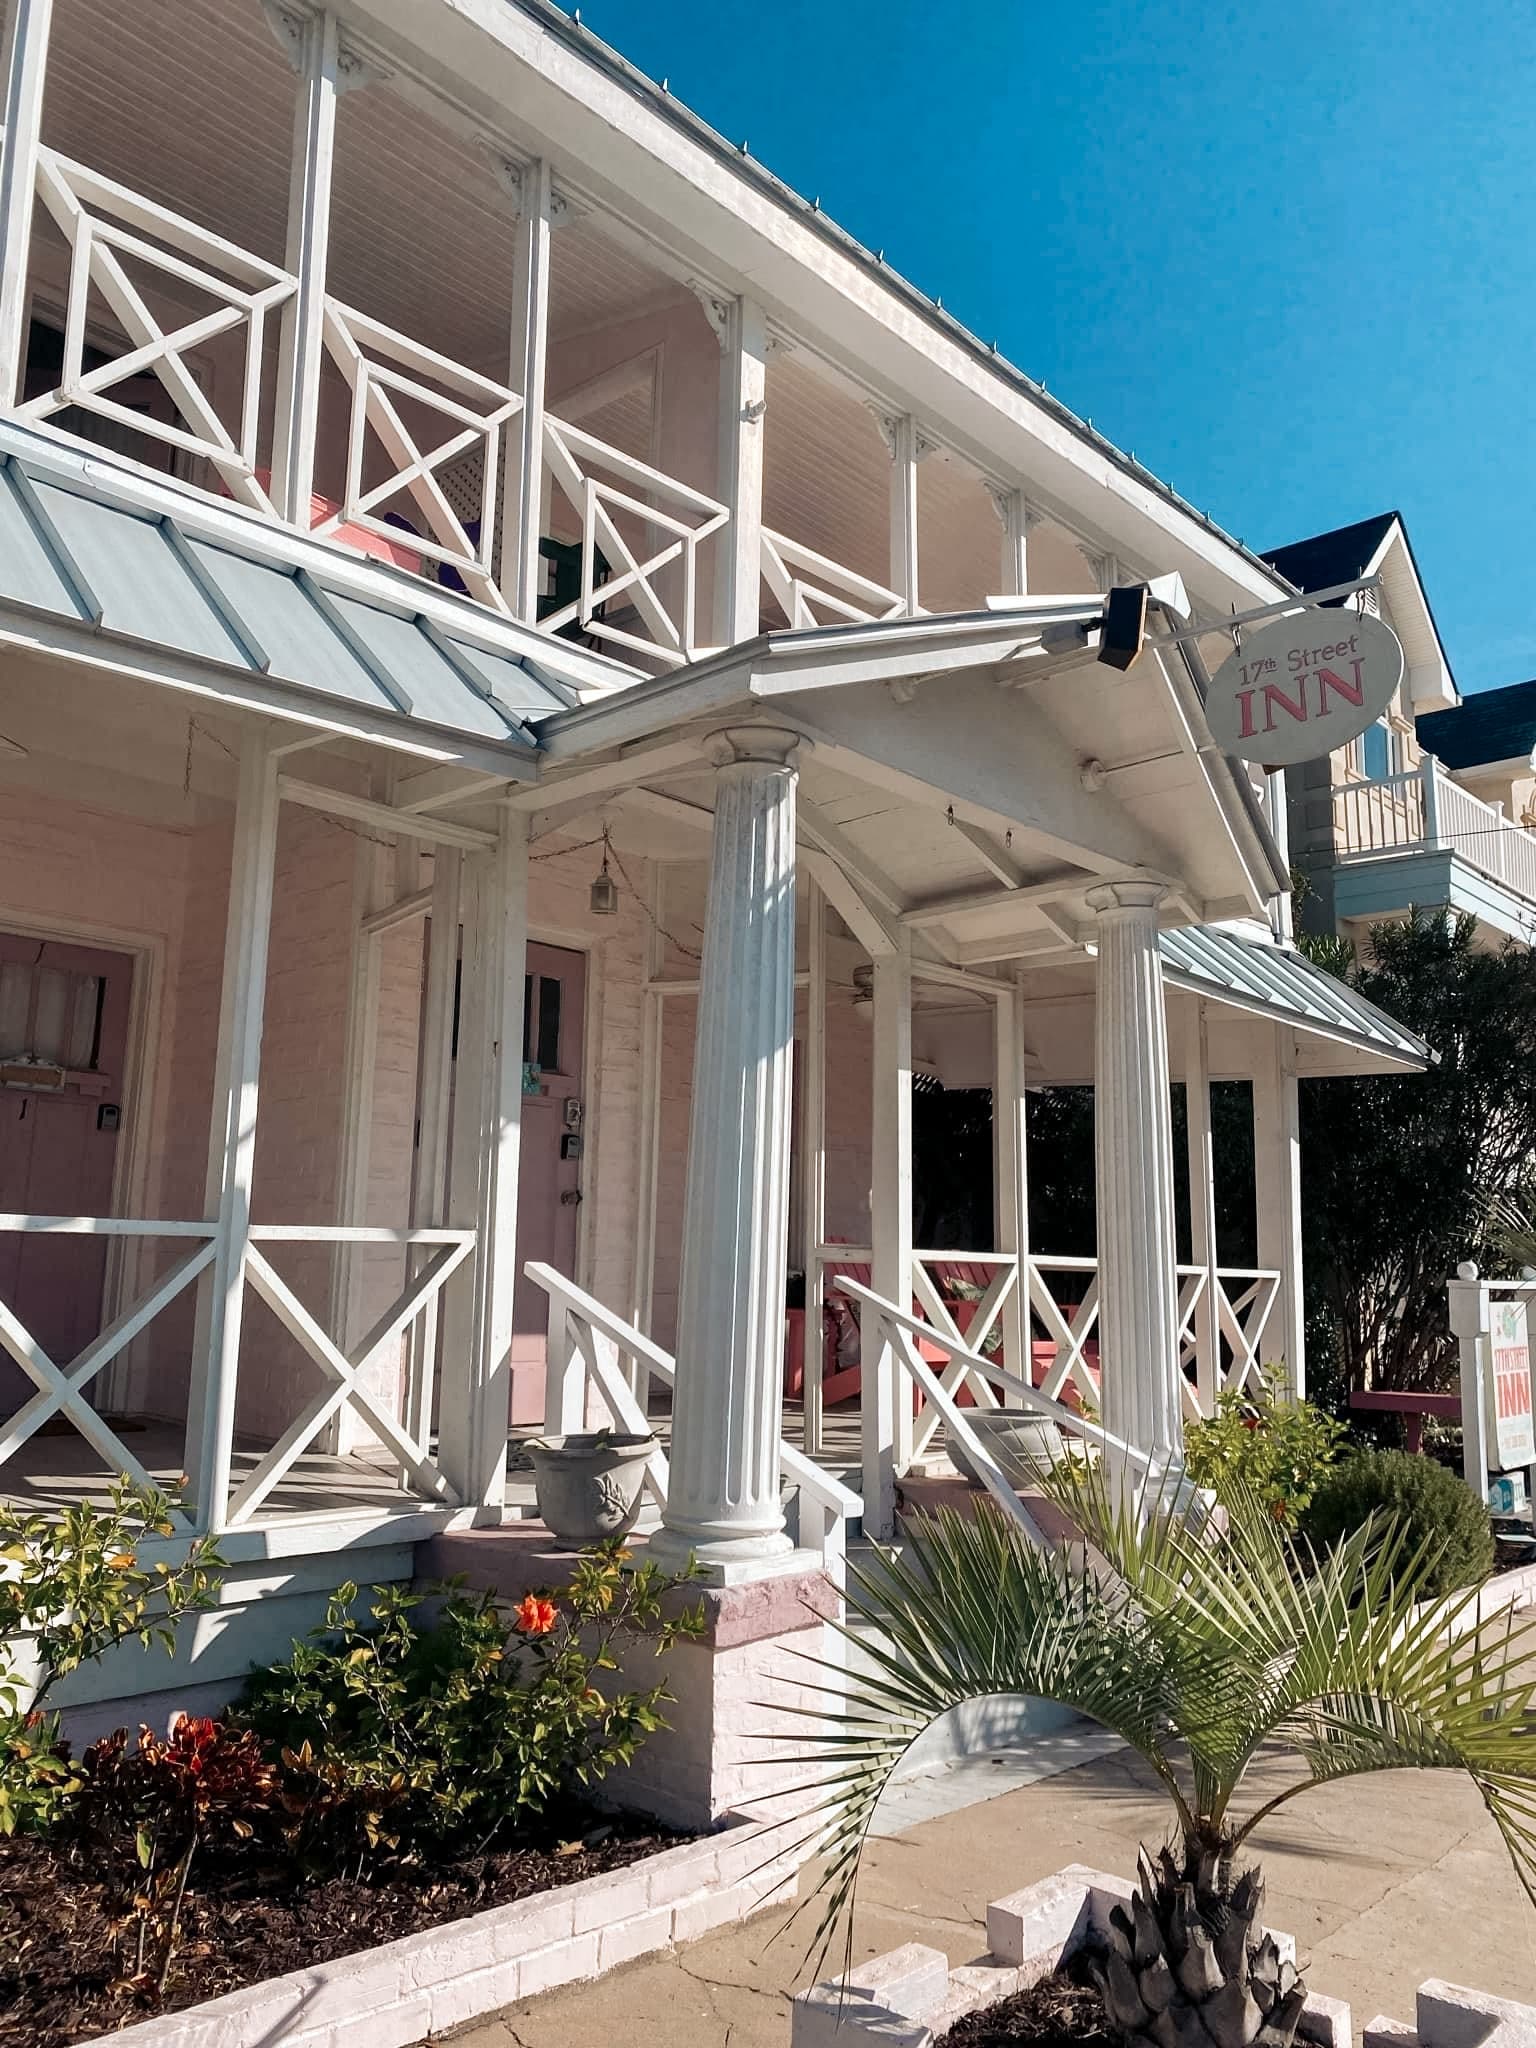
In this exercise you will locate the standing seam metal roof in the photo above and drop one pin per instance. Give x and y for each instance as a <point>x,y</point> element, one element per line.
<point>1279,982</point>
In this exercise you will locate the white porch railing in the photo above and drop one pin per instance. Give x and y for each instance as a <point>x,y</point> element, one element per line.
<point>1064,1307</point>
<point>882,1323</point>
<point>119,241</point>
<point>61,1388</point>
<point>812,590</point>
<point>398,390</point>
<point>648,528</point>
<point>1426,811</point>
<point>590,1346</point>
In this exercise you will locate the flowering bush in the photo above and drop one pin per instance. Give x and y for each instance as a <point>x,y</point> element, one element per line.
<point>404,1739</point>
<point>1271,1448</point>
<point>72,1587</point>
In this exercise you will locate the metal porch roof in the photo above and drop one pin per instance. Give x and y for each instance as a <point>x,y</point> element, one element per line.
<point>1275,981</point>
<point>117,572</point>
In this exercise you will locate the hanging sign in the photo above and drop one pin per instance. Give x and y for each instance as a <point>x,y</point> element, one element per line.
<point>1300,686</point>
<point>1514,1435</point>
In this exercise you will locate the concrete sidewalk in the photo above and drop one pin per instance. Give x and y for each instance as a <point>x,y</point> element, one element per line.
<point>1384,1882</point>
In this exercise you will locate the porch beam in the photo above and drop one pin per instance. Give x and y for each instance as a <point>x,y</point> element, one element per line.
<point>26,62</point>
<point>619,771</point>
<point>885,1403</point>
<point>430,788</point>
<point>875,883</point>
<point>998,860</point>
<point>340,803</point>
<point>743,401</point>
<point>939,909</point>
<point>523,486</point>
<point>877,934</point>
<point>301,349</point>
<point>232,1141</point>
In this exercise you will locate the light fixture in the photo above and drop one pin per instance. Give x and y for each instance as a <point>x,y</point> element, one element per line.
<point>604,894</point>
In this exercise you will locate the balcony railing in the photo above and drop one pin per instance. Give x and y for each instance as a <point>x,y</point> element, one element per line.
<point>1424,811</point>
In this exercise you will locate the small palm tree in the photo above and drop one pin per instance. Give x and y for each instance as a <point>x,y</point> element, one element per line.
<point>1200,1651</point>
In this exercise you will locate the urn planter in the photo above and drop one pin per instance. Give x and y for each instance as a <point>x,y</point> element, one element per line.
<point>1025,1445</point>
<point>588,1484</point>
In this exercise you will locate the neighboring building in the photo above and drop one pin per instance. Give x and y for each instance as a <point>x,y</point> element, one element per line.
<point>506,756</point>
<point>1430,808</point>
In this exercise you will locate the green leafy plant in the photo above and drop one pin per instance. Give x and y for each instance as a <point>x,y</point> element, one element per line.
<point>1439,1511</point>
<point>207,1782</point>
<point>72,1587</point>
<point>1199,1648</point>
<point>406,1736</point>
<point>1268,1446</point>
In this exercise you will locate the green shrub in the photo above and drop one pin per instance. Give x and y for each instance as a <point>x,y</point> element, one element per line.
<point>400,1738</point>
<point>1267,1446</point>
<point>1435,1505</point>
<point>72,1587</point>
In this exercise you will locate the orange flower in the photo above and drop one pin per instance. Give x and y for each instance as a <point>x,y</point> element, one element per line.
<point>534,1617</point>
<point>123,1562</point>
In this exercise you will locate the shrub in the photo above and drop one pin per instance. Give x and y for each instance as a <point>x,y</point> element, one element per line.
<point>401,1737</point>
<point>72,1589</point>
<point>1435,1506</point>
<point>1268,1446</point>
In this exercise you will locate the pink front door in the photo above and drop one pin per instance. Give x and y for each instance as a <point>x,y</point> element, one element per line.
<point>550,1171</point>
<point>63,1041</point>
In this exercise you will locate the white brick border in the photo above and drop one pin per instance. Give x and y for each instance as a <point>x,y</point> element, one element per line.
<point>391,1996</point>
<point>906,1999</point>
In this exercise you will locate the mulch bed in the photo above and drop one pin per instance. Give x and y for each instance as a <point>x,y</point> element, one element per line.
<point>1061,2011</point>
<point>58,1939</point>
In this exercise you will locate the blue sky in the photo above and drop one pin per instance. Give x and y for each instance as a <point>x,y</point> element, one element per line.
<point>1286,253</point>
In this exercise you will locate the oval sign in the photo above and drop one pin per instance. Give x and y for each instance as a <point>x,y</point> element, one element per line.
<point>1303,685</point>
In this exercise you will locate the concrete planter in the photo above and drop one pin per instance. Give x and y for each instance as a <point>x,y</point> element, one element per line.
<point>390,1996</point>
<point>588,1485</point>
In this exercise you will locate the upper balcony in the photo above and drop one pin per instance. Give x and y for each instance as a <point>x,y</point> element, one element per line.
<point>1420,839</point>
<point>243,254</point>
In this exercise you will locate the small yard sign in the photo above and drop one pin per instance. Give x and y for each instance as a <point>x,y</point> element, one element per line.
<point>1513,1434</point>
<point>1299,686</point>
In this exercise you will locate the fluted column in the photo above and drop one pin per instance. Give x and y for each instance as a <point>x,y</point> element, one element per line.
<point>723,1498</point>
<point>1138,1311</point>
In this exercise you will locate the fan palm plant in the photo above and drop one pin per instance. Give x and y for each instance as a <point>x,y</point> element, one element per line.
<point>1200,1651</point>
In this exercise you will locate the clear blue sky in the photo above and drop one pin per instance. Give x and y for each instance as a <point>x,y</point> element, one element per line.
<point>1286,253</point>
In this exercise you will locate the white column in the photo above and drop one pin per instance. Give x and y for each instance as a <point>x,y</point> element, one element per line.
<point>1016,519</point>
<point>523,486</point>
<point>723,1497</point>
<point>905,445</point>
<point>743,399</point>
<point>886,1396</point>
<point>813,1157</point>
<point>1138,1315</point>
<point>1011,1169</point>
<point>487,1133</point>
<point>429,1190</point>
<point>301,354</point>
<point>232,1131</point>
<point>1202,1200</point>
<point>1277,1173</point>
<point>26,63</point>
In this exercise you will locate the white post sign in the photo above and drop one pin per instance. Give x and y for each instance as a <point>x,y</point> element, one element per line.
<point>1513,1432</point>
<point>1299,686</point>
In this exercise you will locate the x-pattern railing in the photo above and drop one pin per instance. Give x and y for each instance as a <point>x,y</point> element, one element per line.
<point>113,233</point>
<point>61,1389</point>
<point>813,590</point>
<point>396,385</point>
<point>641,523</point>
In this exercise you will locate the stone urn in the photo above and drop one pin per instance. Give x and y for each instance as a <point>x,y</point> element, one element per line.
<point>588,1485</point>
<point>1024,1445</point>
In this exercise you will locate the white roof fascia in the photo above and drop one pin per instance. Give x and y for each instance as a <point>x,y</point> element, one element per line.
<point>1427,673</point>
<point>1514,764</point>
<point>654,165</point>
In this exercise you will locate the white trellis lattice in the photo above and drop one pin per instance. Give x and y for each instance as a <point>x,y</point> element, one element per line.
<point>109,229</point>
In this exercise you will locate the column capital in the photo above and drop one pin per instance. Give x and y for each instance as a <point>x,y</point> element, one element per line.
<point>768,746</point>
<point>1126,895</point>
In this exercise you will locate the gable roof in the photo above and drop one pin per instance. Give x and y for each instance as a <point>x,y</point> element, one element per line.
<point>1336,557</point>
<point>1493,725</point>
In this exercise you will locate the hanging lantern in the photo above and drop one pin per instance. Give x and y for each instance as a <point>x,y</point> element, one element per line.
<point>604,896</point>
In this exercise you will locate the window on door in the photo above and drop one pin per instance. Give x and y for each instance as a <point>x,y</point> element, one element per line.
<point>541,1023</point>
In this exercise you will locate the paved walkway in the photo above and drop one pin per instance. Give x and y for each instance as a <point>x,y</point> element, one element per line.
<point>1383,1882</point>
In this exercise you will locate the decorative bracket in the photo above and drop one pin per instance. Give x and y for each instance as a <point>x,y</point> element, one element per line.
<point>890,425</point>
<point>1007,501</point>
<point>511,174</point>
<point>291,26</point>
<point>717,311</point>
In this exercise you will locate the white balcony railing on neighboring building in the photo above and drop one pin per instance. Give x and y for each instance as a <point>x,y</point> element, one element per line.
<point>1424,811</point>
